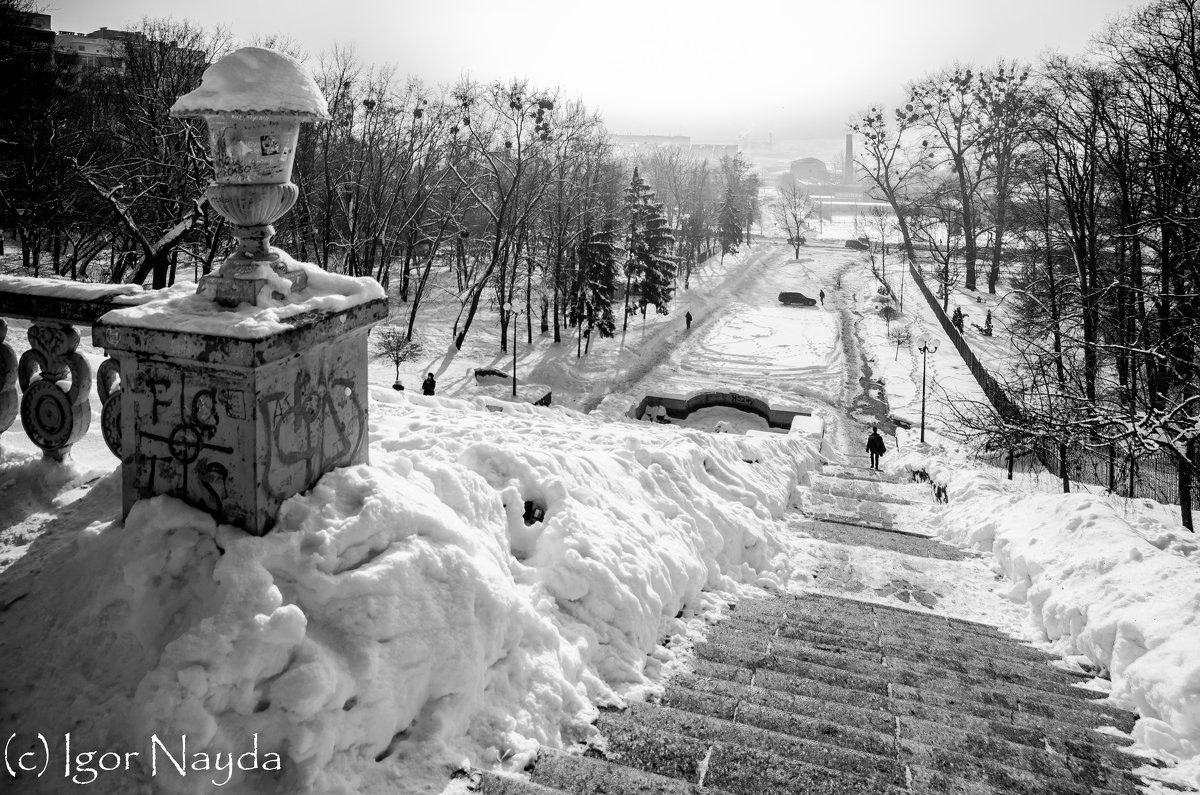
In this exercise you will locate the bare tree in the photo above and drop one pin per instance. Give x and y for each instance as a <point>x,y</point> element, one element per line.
<point>792,210</point>
<point>392,344</point>
<point>895,161</point>
<point>151,169</point>
<point>948,106</point>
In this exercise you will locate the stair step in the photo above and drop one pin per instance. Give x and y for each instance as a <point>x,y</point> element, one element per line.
<point>984,672</point>
<point>827,707</point>
<point>972,693</point>
<point>850,531</point>
<point>642,719</point>
<point>500,784</point>
<point>857,489</point>
<point>1093,773</point>
<point>745,770</point>
<point>774,719</point>
<point>838,675</point>
<point>858,473</point>
<point>586,775</point>
<point>997,775</point>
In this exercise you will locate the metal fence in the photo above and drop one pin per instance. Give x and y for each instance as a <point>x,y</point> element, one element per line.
<point>1153,475</point>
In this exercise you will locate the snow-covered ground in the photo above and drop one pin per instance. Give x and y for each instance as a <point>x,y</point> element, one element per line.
<point>491,578</point>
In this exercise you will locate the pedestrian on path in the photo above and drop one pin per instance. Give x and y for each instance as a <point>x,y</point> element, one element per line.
<point>688,318</point>
<point>875,446</point>
<point>428,385</point>
<point>822,298</point>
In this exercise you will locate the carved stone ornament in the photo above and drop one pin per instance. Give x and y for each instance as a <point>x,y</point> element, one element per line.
<point>9,398</point>
<point>108,387</point>
<point>54,416</point>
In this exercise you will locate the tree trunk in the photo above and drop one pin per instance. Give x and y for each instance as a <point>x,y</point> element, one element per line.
<point>970,251</point>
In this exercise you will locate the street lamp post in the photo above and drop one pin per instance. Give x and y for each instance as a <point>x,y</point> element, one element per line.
<point>928,345</point>
<point>512,318</point>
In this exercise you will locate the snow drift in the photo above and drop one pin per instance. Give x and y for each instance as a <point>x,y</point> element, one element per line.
<point>477,590</point>
<point>1096,586</point>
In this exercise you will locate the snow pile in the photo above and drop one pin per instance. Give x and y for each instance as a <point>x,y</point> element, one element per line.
<point>1096,586</point>
<point>476,591</point>
<point>254,79</point>
<point>181,308</point>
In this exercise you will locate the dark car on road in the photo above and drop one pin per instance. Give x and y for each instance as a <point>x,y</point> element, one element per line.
<point>796,299</point>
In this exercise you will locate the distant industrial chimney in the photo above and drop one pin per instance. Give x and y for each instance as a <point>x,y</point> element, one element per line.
<point>848,165</point>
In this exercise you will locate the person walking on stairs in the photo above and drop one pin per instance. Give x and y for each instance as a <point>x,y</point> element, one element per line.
<point>875,446</point>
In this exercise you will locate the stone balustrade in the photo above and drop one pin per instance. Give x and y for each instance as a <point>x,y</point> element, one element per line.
<point>232,410</point>
<point>52,377</point>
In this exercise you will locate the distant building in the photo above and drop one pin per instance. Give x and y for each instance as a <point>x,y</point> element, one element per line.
<point>102,49</point>
<point>714,151</point>
<point>635,144</point>
<point>756,142</point>
<point>809,169</point>
<point>29,37</point>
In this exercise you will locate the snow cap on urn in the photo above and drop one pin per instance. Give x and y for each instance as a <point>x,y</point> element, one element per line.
<point>253,101</point>
<point>255,80</point>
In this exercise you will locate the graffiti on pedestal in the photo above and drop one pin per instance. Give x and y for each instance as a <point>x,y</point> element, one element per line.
<point>316,426</point>
<point>184,447</point>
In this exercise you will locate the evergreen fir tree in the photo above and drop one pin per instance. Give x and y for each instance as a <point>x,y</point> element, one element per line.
<point>658,277</point>
<point>596,282</point>
<point>637,196</point>
<point>649,266</point>
<point>729,230</point>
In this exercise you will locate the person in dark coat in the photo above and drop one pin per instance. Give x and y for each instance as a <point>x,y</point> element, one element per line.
<point>428,385</point>
<point>822,298</point>
<point>875,446</point>
<point>688,319</point>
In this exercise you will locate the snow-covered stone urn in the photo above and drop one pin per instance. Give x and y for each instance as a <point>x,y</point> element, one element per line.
<point>239,394</point>
<point>253,100</point>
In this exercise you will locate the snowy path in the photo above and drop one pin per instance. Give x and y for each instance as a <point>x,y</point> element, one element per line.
<point>808,357</point>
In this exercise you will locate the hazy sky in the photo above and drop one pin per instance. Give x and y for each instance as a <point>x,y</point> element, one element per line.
<point>711,70</point>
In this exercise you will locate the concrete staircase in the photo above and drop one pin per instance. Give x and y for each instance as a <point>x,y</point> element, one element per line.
<point>822,694</point>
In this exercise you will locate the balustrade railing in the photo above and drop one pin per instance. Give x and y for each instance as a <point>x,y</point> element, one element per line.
<point>48,385</point>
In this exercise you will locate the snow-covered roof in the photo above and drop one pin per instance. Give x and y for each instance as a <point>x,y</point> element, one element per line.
<point>255,80</point>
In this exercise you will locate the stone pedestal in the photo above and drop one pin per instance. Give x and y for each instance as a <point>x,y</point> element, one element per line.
<point>233,425</point>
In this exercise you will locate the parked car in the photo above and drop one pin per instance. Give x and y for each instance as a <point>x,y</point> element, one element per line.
<point>860,244</point>
<point>796,299</point>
